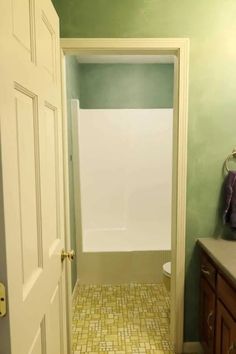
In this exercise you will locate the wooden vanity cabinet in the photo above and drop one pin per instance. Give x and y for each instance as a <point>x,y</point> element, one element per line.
<point>217,309</point>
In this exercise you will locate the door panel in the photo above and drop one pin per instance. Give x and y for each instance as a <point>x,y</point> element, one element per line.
<point>38,345</point>
<point>29,198</point>
<point>225,331</point>
<point>48,37</point>
<point>207,327</point>
<point>32,169</point>
<point>50,178</point>
<point>48,42</point>
<point>23,26</point>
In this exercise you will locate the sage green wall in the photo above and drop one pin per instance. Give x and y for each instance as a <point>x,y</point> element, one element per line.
<point>72,91</point>
<point>126,85</point>
<point>211,27</point>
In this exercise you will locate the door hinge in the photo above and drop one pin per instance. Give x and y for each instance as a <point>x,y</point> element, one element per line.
<point>3,307</point>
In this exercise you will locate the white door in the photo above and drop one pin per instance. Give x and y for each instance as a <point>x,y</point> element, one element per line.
<point>32,178</point>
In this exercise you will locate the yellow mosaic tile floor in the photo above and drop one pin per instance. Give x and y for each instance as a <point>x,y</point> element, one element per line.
<point>121,319</point>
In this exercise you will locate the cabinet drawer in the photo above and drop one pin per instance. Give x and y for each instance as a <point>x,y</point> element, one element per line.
<point>227,295</point>
<point>208,270</point>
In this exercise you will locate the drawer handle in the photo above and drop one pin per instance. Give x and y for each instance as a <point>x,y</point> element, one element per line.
<point>208,320</point>
<point>205,271</point>
<point>232,348</point>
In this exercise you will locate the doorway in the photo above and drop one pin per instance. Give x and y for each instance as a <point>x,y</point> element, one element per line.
<point>179,48</point>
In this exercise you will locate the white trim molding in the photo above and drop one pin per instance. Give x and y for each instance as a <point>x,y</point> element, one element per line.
<point>66,204</point>
<point>123,45</point>
<point>75,291</point>
<point>160,46</point>
<point>192,347</point>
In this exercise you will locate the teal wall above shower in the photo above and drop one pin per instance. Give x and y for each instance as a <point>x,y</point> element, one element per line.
<point>211,27</point>
<point>126,86</point>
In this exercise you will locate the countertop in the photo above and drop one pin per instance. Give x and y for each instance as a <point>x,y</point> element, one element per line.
<point>223,253</point>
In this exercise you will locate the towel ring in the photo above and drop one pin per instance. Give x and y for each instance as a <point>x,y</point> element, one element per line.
<point>233,154</point>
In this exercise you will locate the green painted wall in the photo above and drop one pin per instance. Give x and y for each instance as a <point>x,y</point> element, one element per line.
<point>72,91</point>
<point>211,27</point>
<point>126,85</point>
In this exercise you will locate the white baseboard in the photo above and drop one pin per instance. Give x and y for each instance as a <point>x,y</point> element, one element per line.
<point>192,347</point>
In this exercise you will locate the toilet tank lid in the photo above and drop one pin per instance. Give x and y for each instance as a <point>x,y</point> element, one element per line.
<point>167,268</point>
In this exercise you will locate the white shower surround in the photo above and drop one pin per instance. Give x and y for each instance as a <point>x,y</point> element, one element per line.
<point>126,179</point>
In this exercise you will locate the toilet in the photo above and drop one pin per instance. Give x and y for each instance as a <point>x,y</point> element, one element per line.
<point>166,271</point>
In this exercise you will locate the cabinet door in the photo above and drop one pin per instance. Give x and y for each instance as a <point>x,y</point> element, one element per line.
<point>225,331</point>
<point>207,325</point>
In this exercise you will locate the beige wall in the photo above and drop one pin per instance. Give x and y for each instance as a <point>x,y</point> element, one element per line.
<point>121,267</point>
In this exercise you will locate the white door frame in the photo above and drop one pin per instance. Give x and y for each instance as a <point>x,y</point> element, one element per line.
<point>68,290</point>
<point>161,46</point>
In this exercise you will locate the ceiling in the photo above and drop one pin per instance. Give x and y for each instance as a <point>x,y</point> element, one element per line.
<point>126,59</point>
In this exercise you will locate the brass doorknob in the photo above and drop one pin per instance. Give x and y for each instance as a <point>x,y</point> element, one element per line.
<point>69,255</point>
